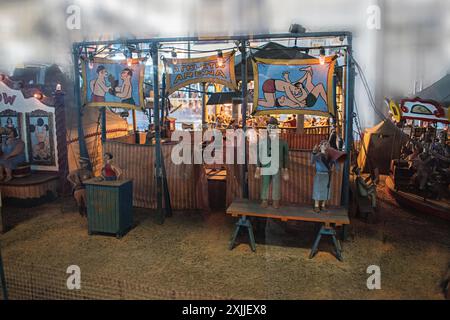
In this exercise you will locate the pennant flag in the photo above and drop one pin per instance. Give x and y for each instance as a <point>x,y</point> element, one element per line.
<point>182,72</point>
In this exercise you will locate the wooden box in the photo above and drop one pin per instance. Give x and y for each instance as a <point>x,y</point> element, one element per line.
<point>109,206</point>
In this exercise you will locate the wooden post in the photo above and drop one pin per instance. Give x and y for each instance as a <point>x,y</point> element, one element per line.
<point>300,124</point>
<point>134,121</point>
<point>61,140</point>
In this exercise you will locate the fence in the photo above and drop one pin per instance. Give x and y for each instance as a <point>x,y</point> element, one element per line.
<point>186,182</point>
<point>27,281</point>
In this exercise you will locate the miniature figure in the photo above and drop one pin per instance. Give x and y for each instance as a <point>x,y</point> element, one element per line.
<point>77,179</point>
<point>283,163</point>
<point>13,153</point>
<point>109,171</point>
<point>366,188</point>
<point>322,179</point>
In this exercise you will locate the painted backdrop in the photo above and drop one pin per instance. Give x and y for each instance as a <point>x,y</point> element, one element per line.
<point>293,86</point>
<point>113,83</point>
<point>182,72</point>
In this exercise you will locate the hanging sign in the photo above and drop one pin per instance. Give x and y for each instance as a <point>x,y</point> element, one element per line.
<point>293,86</point>
<point>112,83</point>
<point>211,69</point>
<point>395,110</point>
<point>425,110</point>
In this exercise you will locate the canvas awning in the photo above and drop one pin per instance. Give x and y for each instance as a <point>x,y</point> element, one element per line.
<point>438,91</point>
<point>224,98</point>
<point>270,50</point>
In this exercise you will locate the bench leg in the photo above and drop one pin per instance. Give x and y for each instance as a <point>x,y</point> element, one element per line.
<point>243,222</point>
<point>327,230</point>
<point>337,247</point>
<point>315,246</point>
<point>251,236</point>
<point>233,238</point>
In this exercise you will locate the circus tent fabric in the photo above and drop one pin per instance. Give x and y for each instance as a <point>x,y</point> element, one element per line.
<point>380,144</point>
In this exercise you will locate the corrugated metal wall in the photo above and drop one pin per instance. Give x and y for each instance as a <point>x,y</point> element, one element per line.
<point>302,141</point>
<point>297,190</point>
<point>187,182</point>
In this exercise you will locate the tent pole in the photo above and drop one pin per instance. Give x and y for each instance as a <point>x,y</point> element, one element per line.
<point>350,86</point>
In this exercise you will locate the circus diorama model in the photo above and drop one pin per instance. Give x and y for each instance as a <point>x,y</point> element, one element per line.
<point>262,175</point>
<point>420,177</point>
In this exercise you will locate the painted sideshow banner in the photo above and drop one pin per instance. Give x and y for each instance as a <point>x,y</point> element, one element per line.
<point>113,83</point>
<point>12,120</point>
<point>182,72</point>
<point>293,86</point>
<point>425,110</point>
<point>40,138</point>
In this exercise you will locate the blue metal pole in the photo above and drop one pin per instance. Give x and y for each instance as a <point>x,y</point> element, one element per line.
<point>349,102</point>
<point>158,167</point>
<point>243,50</point>
<point>3,278</point>
<point>81,141</point>
<point>103,123</point>
<point>225,38</point>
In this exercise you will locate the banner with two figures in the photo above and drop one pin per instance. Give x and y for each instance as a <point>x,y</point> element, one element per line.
<point>293,86</point>
<point>113,83</point>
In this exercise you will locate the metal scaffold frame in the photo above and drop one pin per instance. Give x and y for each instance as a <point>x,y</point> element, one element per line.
<point>242,43</point>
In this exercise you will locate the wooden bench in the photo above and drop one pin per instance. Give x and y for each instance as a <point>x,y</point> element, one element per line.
<point>329,219</point>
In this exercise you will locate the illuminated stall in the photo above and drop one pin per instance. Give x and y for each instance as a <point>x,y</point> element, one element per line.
<point>320,70</point>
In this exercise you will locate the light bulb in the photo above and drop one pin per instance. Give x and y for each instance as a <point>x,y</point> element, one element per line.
<point>174,56</point>
<point>38,95</point>
<point>129,62</point>
<point>220,58</point>
<point>322,56</point>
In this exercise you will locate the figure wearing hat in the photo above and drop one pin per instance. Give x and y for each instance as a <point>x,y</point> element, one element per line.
<point>77,179</point>
<point>323,158</point>
<point>281,167</point>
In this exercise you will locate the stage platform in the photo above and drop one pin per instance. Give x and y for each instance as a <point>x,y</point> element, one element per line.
<point>35,186</point>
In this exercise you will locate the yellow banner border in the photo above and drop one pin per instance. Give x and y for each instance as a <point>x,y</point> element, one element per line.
<point>227,56</point>
<point>329,60</point>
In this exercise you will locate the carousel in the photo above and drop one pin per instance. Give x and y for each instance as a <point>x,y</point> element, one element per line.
<point>420,177</point>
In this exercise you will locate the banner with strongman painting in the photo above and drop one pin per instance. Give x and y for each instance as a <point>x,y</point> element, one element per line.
<point>112,83</point>
<point>293,86</point>
<point>182,72</point>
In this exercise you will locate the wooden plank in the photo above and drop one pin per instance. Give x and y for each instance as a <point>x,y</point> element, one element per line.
<point>337,215</point>
<point>33,179</point>
<point>113,183</point>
